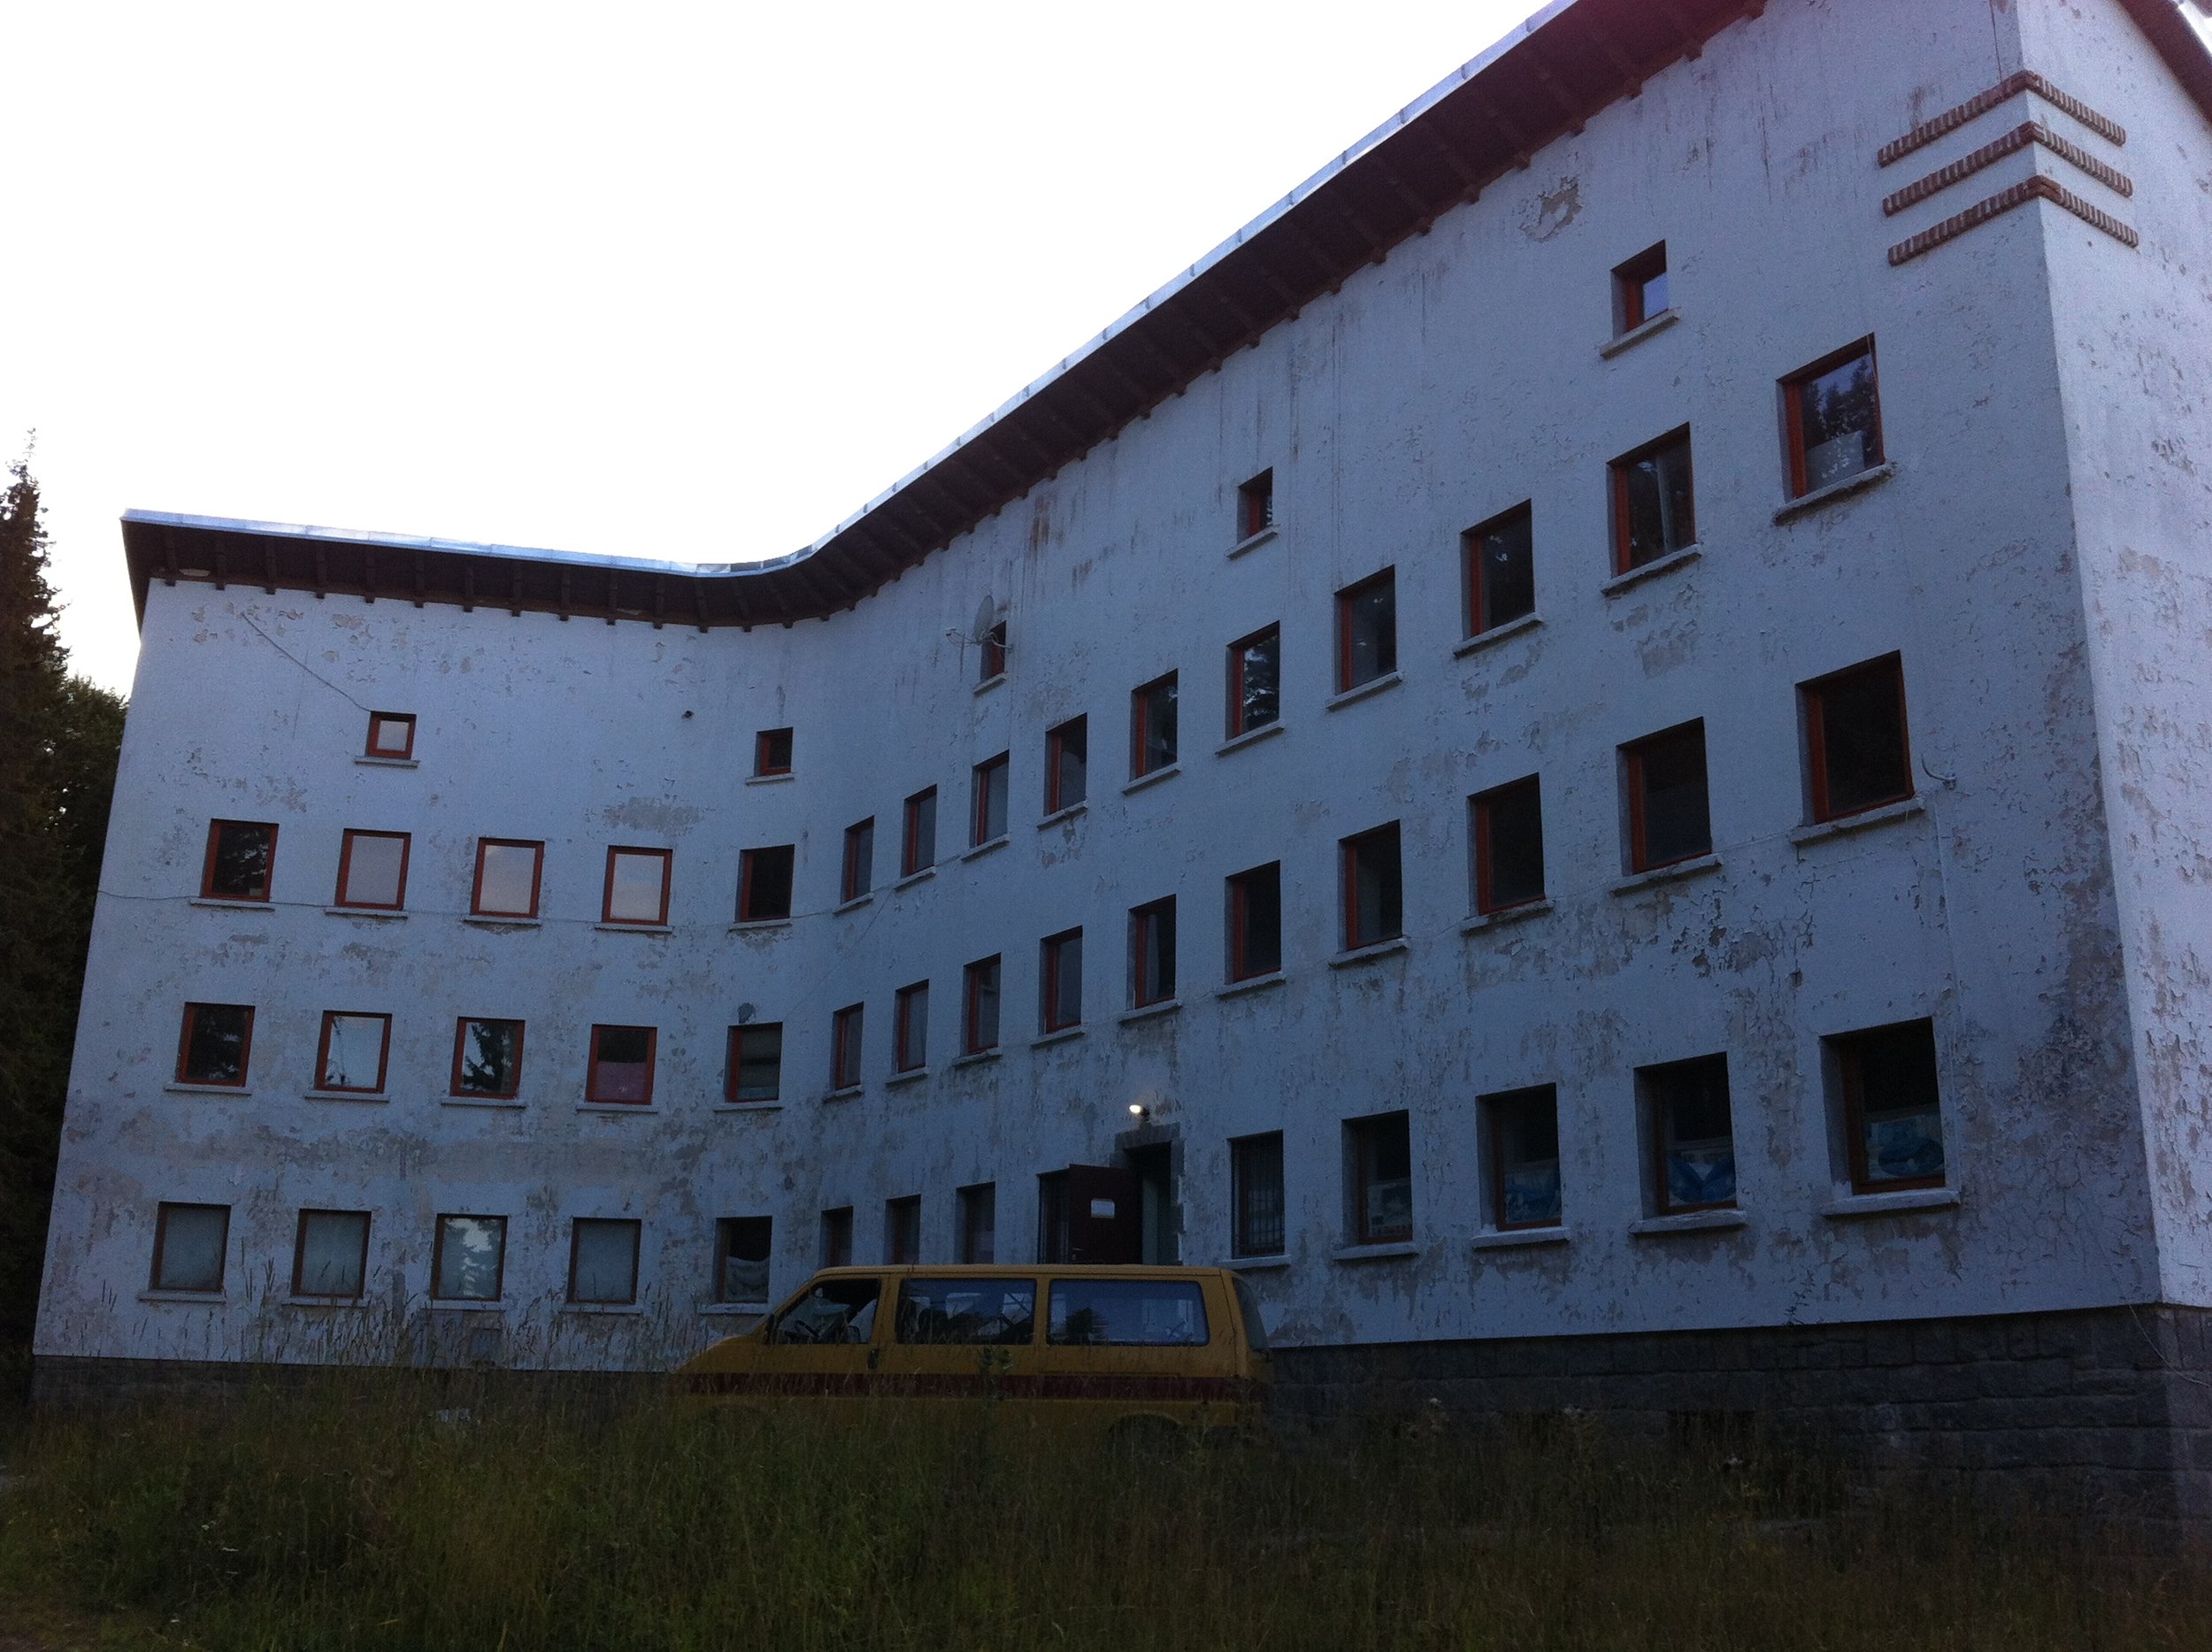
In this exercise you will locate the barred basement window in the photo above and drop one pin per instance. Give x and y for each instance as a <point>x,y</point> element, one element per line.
<point>979,1223</point>
<point>1367,630</point>
<point>1152,727</point>
<point>1255,506</point>
<point>1256,1195</point>
<point>1060,985</point>
<point>979,1006</point>
<point>1653,510</point>
<point>909,1029</point>
<point>1508,833</point>
<point>468,1260</point>
<point>1832,419</point>
<point>742,1246</point>
<point>1255,922</point>
<point>1374,887</point>
<point>507,877</point>
<point>487,1058</point>
<point>845,1035</point>
<point>373,870</point>
<point>1256,675</point>
<point>919,850</point>
<point>330,1254</point>
<point>1378,1161</point>
<point>391,734</point>
<point>859,872</point>
<point>1152,953</point>
<point>755,1062</point>
<point>1501,569</point>
<point>989,803</point>
<point>1521,1129</point>
<point>1669,818</point>
<point>837,1237</point>
<point>771,752</point>
<point>353,1051</point>
<point>1858,755</point>
<point>1640,289</point>
<point>191,1242</point>
<point>1066,765</point>
<point>621,1069</point>
<point>1691,1134</point>
<point>764,883</point>
<point>1893,1114</point>
<point>240,855</point>
<point>602,1261</point>
<point>637,887</point>
<point>215,1044</point>
<point>902,1231</point>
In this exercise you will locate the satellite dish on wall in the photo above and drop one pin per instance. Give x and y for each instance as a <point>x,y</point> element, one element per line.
<point>745,1012</point>
<point>985,621</point>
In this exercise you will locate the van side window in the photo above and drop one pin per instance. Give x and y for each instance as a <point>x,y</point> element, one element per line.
<point>835,1310</point>
<point>1127,1313</point>
<point>1249,1304</point>
<point>1001,1312</point>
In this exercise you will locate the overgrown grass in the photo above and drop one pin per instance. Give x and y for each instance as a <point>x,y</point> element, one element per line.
<point>356,1516</point>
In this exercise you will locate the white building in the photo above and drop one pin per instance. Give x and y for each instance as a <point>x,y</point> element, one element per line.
<point>1596,768</point>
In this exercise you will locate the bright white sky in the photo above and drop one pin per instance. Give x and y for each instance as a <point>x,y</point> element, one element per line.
<point>660,280</point>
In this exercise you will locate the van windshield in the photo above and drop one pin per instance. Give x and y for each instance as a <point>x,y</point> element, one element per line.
<point>1128,1313</point>
<point>1002,1312</point>
<point>835,1310</point>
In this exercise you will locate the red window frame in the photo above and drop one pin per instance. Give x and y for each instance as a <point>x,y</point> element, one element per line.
<point>1255,506</point>
<point>728,1232</point>
<point>1629,281</point>
<point>1849,1049</point>
<point>1056,750</point>
<point>592,1093</point>
<point>1650,1081</point>
<point>214,838</point>
<point>1480,806</point>
<point>245,1047</point>
<point>322,1054</point>
<point>666,856</point>
<point>1346,606</point>
<point>971,1003</point>
<point>973,1201</point>
<point>1143,920</point>
<point>1348,851</point>
<point>848,1028</point>
<point>575,1245</point>
<point>910,859</point>
<point>858,836</point>
<point>1052,964</point>
<point>1237,651</point>
<point>999,768</point>
<point>837,1237</point>
<point>993,654</point>
<point>537,875</point>
<point>437,1256</point>
<point>1240,921</point>
<point>1365,1133</point>
<point>1470,544</point>
<point>747,861</point>
<point>1618,473</point>
<point>910,1029</point>
<point>1813,693</point>
<point>161,1244</point>
<point>1494,1120</point>
<point>1633,755</point>
<point>406,719</point>
<point>765,761</point>
<point>461,1024</point>
<point>733,1066</point>
<point>1140,707</point>
<point>299,1258</point>
<point>345,871</point>
<point>1793,407</point>
<point>902,1231</point>
<point>1246,1154</point>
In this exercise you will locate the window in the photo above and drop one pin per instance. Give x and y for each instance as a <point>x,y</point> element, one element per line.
<point>1152,953</point>
<point>1152,727</point>
<point>920,849</point>
<point>391,734</point>
<point>1127,1313</point>
<point>1855,745</point>
<point>1693,1140</point>
<point>741,1258</point>
<point>1255,922</point>
<point>486,1058</point>
<point>330,1256</point>
<point>1668,816</point>
<point>858,875</point>
<point>1367,630</point>
<point>621,1072</point>
<point>240,855</point>
<point>1065,760</point>
<point>602,1261</point>
<point>1255,506</point>
<point>1255,682</point>
<point>771,752</point>
<point>1053,1243</point>
<point>506,878</point>
<point>1521,1140</point>
<point>902,1231</point>
<point>833,1310</point>
<point>353,1051</point>
<point>1508,833</point>
<point>1379,1155</point>
<point>1501,556</point>
<point>373,870</point>
<point>1060,985</point>
<point>993,652</point>
<point>978,1013</point>
<point>217,1040</point>
<point>845,1033</point>
<point>1256,1195</point>
<point>1640,289</point>
<point>756,1064</point>
<point>764,883</point>
<point>191,1243</point>
<point>1892,1118</point>
<point>637,887</point>
<point>1652,514</point>
<point>837,1237</point>
<point>990,800</point>
<point>968,1312</point>
<point>468,1259</point>
<point>1832,419</point>
<point>979,1223</point>
<point>909,1029</point>
<point>1374,889</point>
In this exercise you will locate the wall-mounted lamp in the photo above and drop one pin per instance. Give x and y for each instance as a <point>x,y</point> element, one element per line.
<point>1138,1110</point>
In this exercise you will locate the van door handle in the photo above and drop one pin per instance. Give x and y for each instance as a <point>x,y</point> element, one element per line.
<point>875,1357</point>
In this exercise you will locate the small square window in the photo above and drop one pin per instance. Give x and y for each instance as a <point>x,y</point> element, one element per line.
<point>391,734</point>
<point>1256,1195</point>
<point>330,1256</point>
<point>240,855</point>
<point>190,1244</point>
<point>1832,419</point>
<point>468,1261</point>
<point>1893,1114</point>
<point>1255,677</point>
<point>742,1246</point>
<point>764,883</point>
<point>845,1029</point>
<point>1692,1135</point>
<point>1067,763</point>
<point>1640,289</point>
<point>978,1016</point>
<point>837,1237</point>
<point>1374,887</point>
<point>919,851</point>
<point>1521,1139</point>
<point>979,1223</point>
<point>507,876</point>
<point>1857,753</point>
<point>909,1029</point>
<point>1367,630</point>
<point>1669,816</point>
<point>1152,953</point>
<point>989,824</point>
<point>217,1040</point>
<point>771,752</point>
<point>487,1058</point>
<point>353,1052</point>
<point>1060,988</point>
<point>637,887</point>
<point>602,1261</point>
<point>1152,727</point>
<point>1654,509</point>
<point>621,1072</point>
<point>373,870</point>
<point>902,1231</point>
<point>859,876</point>
<point>1255,506</point>
<point>1255,922</point>
<point>993,664</point>
<point>755,1062</point>
<point>1508,831</point>
<point>1378,1160</point>
<point>1500,561</point>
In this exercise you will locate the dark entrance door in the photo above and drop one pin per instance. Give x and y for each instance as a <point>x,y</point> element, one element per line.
<point>1105,1214</point>
<point>1154,1170</point>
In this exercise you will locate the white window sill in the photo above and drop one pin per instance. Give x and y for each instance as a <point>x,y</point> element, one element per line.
<point>1258,1264</point>
<point>220,905</point>
<point>1252,541</point>
<point>976,1057</point>
<point>1687,1222</point>
<point>1249,737</point>
<point>1521,1238</point>
<point>1861,1204</point>
<point>1482,639</point>
<point>1368,954</point>
<point>617,1107</point>
<point>907,1075</point>
<point>844,1092</point>
<point>594,1310</point>
<point>755,926</point>
<point>1059,1035</point>
<point>468,1305</point>
<point>1652,570</point>
<point>985,847</point>
<point>345,1095</point>
<point>749,1107</point>
<point>1696,867</point>
<point>1166,771</point>
<point>1478,922</point>
<point>1150,1011</point>
<point>1058,815</point>
<point>856,903</point>
<point>492,920</point>
<point>354,1302</point>
<point>509,1102</point>
<point>363,912</point>
<point>180,1087</point>
<point>1843,825</point>
<point>1638,333</point>
<point>389,763</point>
<point>1256,983</point>
<point>1376,1253</point>
<point>617,928</point>
<point>1353,697</point>
<point>785,778</point>
<point>1839,489</point>
<point>989,683</point>
<point>913,877</point>
<point>215,1299</point>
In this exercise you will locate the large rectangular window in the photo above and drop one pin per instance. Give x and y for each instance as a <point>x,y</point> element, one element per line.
<point>846,1026</point>
<point>1653,512</point>
<point>373,870</point>
<point>1255,681</point>
<point>330,1254</point>
<point>507,877</point>
<point>1255,922</point>
<point>902,1231</point>
<point>1067,764</point>
<point>621,1071</point>
<point>1367,630</point>
<point>637,887</point>
<point>859,876</point>
<point>909,1029</point>
<point>602,1261</point>
<point>1060,980</point>
<point>1688,1124</point>
<point>1669,816</point>
<point>1832,419</point>
<point>980,1004</point>
<point>837,1237</point>
<point>354,1050</point>
<point>1501,569</point>
<point>1521,1131</point>
<point>240,856</point>
<point>1256,1195</point>
<point>979,1223</point>
<point>487,1058</point>
<point>1892,1115</point>
<point>764,883</point>
<point>1857,753</point>
<point>1374,887</point>
<point>1507,826</point>
<point>215,1045</point>
<point>989,822</point>
<point>190,1244</point>
<point>918,851</point>
<point>1379,1155</point>
<point>1126,1313</point>
<point>1152,953</point>
<point>741,1250</point>
<point>755,1062</point>
<point>1152,727</point>
<point>468,1260</point>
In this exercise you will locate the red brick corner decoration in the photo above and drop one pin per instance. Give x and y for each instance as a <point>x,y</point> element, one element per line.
<point>2038,188</point>
<point>2019,138</point>
<point>2026,80</point>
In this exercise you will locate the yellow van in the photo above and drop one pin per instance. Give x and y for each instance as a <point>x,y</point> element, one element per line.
<point>1089,1348</point>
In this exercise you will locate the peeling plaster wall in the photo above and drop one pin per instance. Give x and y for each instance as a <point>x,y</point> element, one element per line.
<point>1453,381</point>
